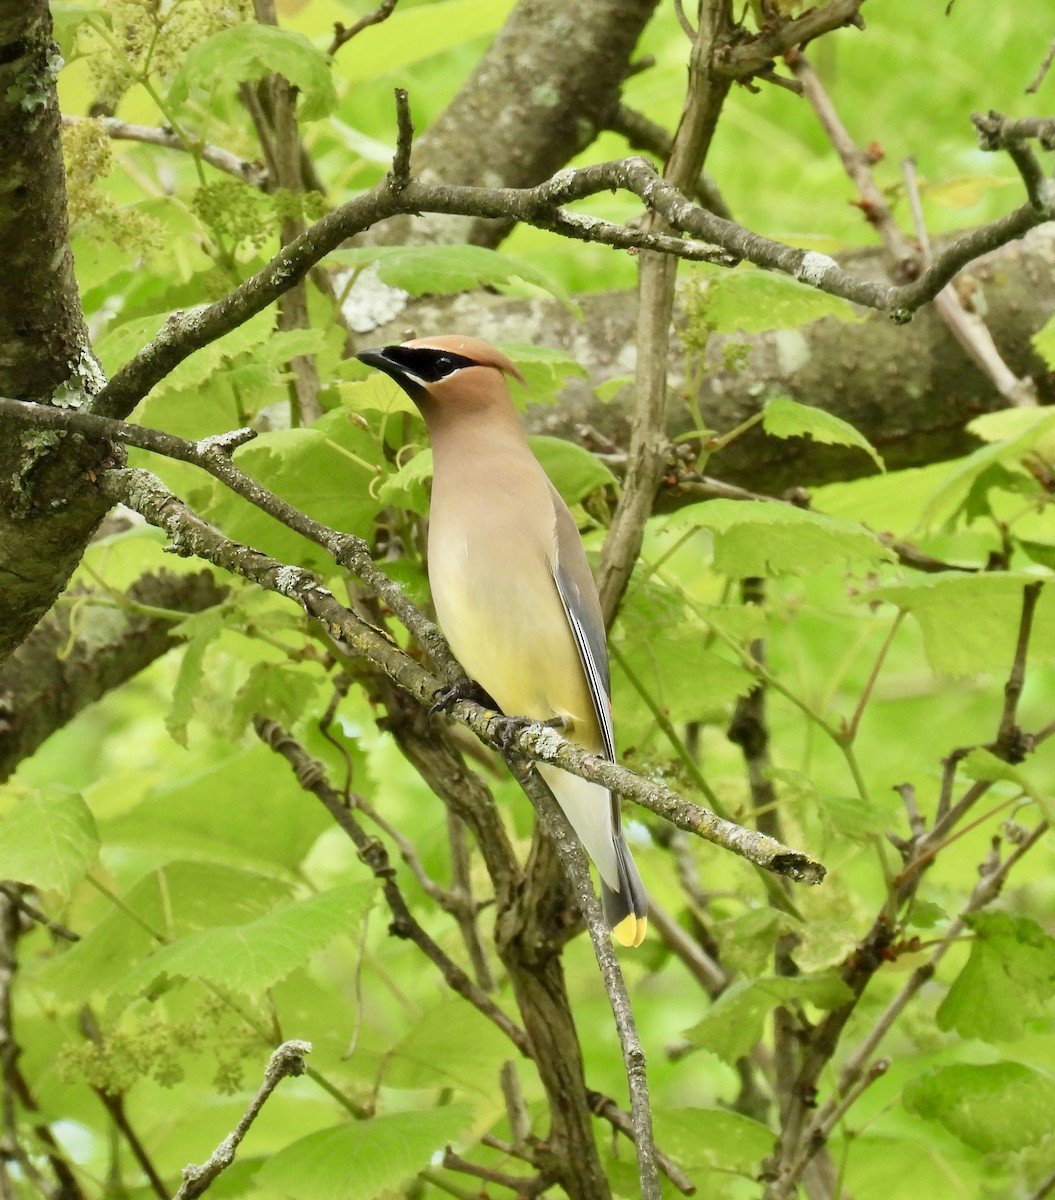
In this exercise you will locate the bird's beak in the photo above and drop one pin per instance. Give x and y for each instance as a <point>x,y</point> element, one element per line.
<point>377,358</point>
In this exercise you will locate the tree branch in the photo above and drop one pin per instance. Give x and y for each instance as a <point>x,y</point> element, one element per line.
<point>253,173</point>
<point>311,775</point>
<point>287,1060</point>
<point>542,206</point>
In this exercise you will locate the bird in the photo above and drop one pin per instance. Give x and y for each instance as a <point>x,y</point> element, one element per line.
<point>512,588</point>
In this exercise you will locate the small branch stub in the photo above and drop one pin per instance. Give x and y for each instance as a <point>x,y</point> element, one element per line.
<point>288,1059</point>
<point>400,174</point>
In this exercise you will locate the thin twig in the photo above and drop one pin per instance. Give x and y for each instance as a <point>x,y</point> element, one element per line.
<point>604,1106</point>
<point>967,327</point>
<point>642,133</point>
<point>14,894</point>
<point>904,260</point>
<point>342,34</point>
<point>190,535</point>
<point>400,173</point>
<point>311,775</point>
<point>544,206</point>
<point>287,1060</point>
<point>573,858</point>
<point>253,173</point>
<point>1009,736</point>
<point>1038,79</point>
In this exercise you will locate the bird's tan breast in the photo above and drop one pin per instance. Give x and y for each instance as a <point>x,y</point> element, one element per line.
<point>491,546</point>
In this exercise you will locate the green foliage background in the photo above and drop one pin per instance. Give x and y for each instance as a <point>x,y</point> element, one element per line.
<point>220,911</point>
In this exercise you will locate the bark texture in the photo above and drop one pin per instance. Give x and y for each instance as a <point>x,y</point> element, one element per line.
<point>47,510</point>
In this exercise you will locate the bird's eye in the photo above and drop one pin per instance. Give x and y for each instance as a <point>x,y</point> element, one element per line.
<point>444,362</point>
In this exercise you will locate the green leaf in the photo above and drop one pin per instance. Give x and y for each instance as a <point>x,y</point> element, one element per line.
<point>202,629</point>
<point>572,470</point>
<point>995,1107</point>
<point>121,342</point>
<point>785,418</point>
<point>607,391</point>
<point>970,622</point>
<point>1044,343</point>
<point>252,957</point>
<point>753,537</point>
<point>441,270</point>
<point>713,1138</point>
<point>749,301</point>
<point>67,17</point>
<point>748,940</point>
<point>984,765</point>
<point>170,902</point>
<point>407,488</point>
<point>49,841</point>
<point>248,53</point>
<point>282,692</point>
<point>1006,982</point>
<point>327,471</point>
<point>427,1056</point>
<point>1017,433</point>
<point>265,821</point>
<point>365,1159</point>
<point>735,1022</point>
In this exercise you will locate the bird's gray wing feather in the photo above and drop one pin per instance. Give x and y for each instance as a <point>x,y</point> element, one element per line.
<point>578,594</point>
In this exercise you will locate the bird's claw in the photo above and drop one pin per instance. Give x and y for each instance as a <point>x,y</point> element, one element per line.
<point>445,698</point>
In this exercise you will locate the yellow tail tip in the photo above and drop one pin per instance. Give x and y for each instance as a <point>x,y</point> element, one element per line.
<point>631,930</point>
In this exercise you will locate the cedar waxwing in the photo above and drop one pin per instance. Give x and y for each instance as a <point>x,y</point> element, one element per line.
<point>513,591</point>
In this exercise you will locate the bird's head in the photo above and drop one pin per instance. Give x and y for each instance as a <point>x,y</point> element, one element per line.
<point>447,374</point>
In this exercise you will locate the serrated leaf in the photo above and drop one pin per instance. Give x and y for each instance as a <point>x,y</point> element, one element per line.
<point>735,1022</point>
<point>751,301</point>
<point>281,692</point>
<point>440,270</point>
<point>995,1107</point>
<point>970,622</point>
<point>247,54</point>
<point>252,957</point>
<point>407,487</point>
<point>364,1159</point>
<point>326,471</point>
<point>748,940</point>
<point>171,901</point>
<point>265,820</point>
<point>753,537</point>
<point>1033,428</point>
<point>572,470</point>
<point>1006,982</point>
<point>785,418</point>
<point>424,1058</point>
<point>49,841</point>
<point>122,342</point>
<point>202,629</point>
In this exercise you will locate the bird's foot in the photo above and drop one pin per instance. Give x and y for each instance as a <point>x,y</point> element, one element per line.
<point>445,698</point>
<point>506,729</point>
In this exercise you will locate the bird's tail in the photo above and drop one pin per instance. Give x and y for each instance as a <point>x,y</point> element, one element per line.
<point>626,911</point>
<point>595,819</point>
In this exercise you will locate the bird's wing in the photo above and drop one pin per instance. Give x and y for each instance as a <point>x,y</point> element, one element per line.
<point>578,594</point>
